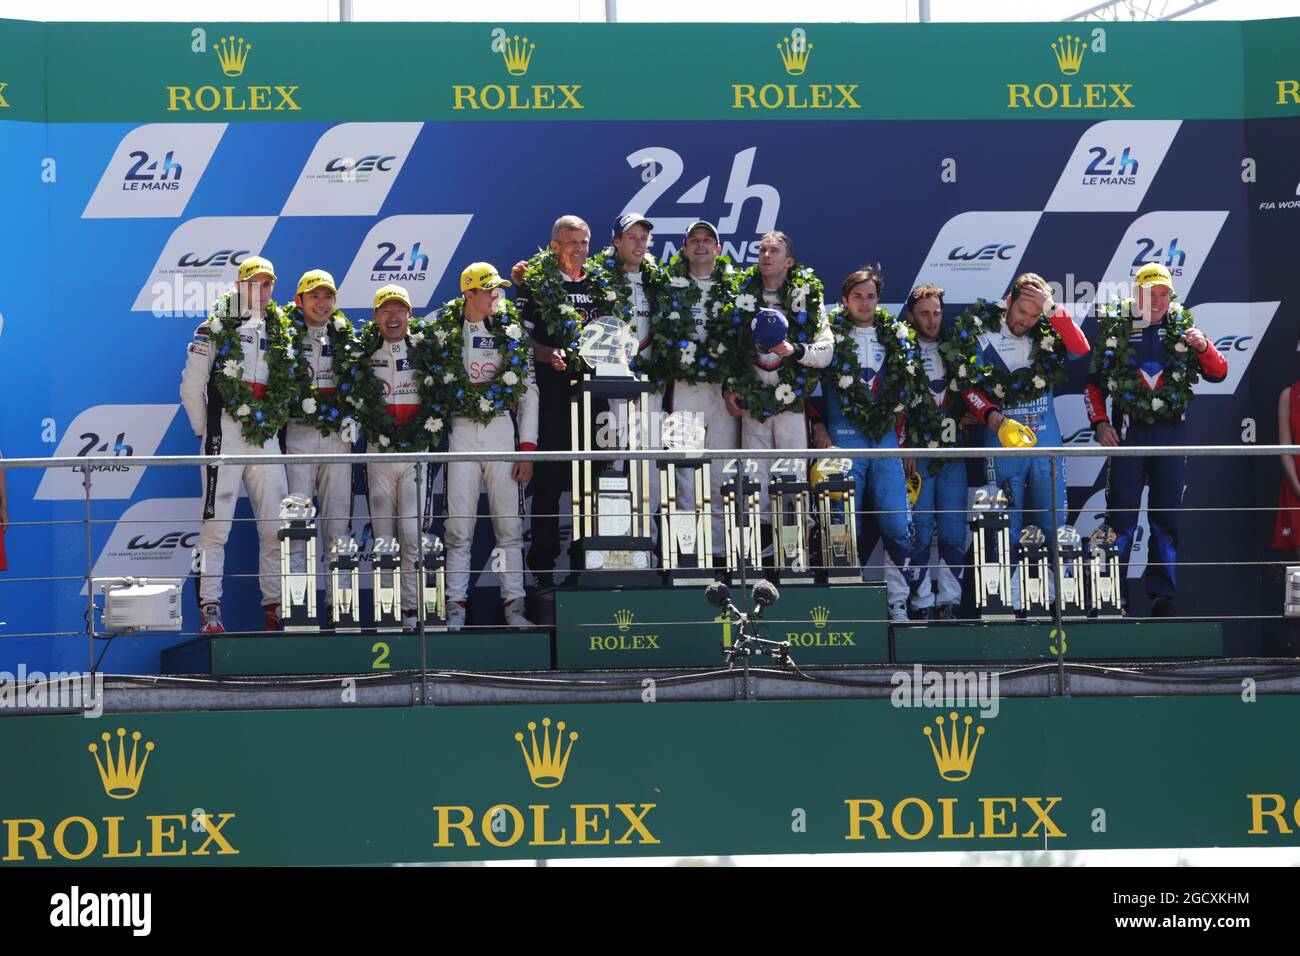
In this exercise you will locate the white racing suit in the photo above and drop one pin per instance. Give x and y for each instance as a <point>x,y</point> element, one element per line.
<point>784,429</point>
<point>330,484</point>
<point>704,401</point>
<point>482,359</point>
<point>395,508</point>
<point>221,436</point>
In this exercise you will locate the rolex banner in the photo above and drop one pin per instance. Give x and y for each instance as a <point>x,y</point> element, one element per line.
<point>470,783</point>
<point>143,162</point>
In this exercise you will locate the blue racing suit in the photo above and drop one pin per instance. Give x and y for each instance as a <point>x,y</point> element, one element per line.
<point>1028,480</point>
<point>1165,476</point>
<point>879,480</point>
<point>941,502</point>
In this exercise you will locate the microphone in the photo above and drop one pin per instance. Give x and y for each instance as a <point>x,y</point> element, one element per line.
<point>717,593</point>
<point>765,594</point>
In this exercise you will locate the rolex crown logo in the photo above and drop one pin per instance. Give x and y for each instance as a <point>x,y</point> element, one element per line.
<point>820,615</point>
<point>232,53</point>
<point>546,765</point>
<point>1069,54</point>
<point>121,776</point>
<point>623,619</point>
<point>794,50</point>
<point>517,53</point>
<point>954,759</point>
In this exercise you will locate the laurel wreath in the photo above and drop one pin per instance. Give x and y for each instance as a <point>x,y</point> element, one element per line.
<point>423,431</point>
<point>545,284</point>
<point>606,270</point>
<point>484,402</point>
<point>1115,362</point>
<point>675,348</point>
<point>965,362</point>
<point>902,379</point>
<point>259,419</point>
<point>801,295</point>
<point>324,412</point>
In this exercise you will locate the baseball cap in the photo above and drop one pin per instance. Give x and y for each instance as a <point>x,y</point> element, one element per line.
<point>706,224</point>
<point>1153,273</point>
<point>387,292</point>
<point>314,280</point>
<point>481,275</point>
<point>629,219</point>
<point>253,265</point>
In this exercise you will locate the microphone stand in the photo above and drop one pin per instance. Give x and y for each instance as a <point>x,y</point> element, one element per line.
<point>748,644</point>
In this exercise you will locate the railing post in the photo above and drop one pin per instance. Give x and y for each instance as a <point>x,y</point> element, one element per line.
<point>90,571</point>
<point>1057,579</point>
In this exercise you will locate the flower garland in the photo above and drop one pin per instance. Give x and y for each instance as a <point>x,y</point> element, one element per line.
<point>801,296</point>
<point>423,431</point>
<point>926,420</point>
<point>545,284</point>
<point>675,348</point>
<point>968,367</point>
<point>326,413</point>
<point>902,379</point>
<point>259,419</point>
<point>606,269</point>
<point>1115,363</point>
<point>483,403</point>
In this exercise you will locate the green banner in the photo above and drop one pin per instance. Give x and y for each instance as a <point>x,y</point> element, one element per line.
<point>22,71</point>
<point>456,783</point>
<point>555,71</point>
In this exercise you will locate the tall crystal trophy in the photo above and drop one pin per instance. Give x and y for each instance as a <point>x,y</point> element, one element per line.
<point>1105,596</point>
<point>1074,597</point>
<point>790,495</point>
<point>992,546</point>
<point>433,574</point>
<point>386,571</point>
<point>298,588</point>
<point>835,510</point>
<point>685,536</point>
<point>742,519</point>
<point>1034,571</point>
<point>345,584</point>
<point>612,521</point>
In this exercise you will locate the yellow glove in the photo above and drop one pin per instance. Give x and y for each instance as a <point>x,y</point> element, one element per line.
<point>1012,434</point>
<point>913,487</point>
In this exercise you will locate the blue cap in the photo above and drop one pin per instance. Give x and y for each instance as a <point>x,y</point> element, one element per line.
<point>770,329</point>
<point>629,219</point>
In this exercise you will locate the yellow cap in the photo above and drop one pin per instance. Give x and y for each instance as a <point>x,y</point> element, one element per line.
<point>913,487</point>
<point>1153,273</point>
<point>385,293</point>
<point>1012,434</point>
<point>253,265</point>
<point>314,280</point>
<point>481,275</point>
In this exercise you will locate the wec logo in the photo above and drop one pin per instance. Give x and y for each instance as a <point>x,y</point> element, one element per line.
<point>222,257</point>
<point>169,541</point>
<point>992,250</point>
<point>366,164</point>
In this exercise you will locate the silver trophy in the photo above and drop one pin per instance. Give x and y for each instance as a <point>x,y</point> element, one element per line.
<point>742,519</point>
<point>992,546</point>
<point>386,571</point>
<point>434,581</point>
<point>345,584</point>
<point>1035,573</point>
<point>612,523</point>
<point>835,506</point>
<point>1105,596</point>
<point>686,537</point>
<point>789,494</point>
<point>298,588</point>
<point>1069,548</point>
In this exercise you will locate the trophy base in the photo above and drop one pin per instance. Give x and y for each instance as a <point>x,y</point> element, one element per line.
<point>690,577</point>
<point>300,628</point>
<point>844,575</point>
<point>785,576</point>
<point>609,562</point>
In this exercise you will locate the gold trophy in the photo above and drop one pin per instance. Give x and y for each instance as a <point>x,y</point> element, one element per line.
<point>685,537</point>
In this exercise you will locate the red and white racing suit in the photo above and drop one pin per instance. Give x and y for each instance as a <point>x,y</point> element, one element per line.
<point>331,484</point>
<point>394,505</point>
<point>482,358</point>
<point>221,435</point>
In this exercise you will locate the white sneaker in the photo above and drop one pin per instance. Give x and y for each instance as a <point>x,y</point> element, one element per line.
<point>410,623</point>
<point>515,614</point>
<point>455,615</point>
<point>898,612</point>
